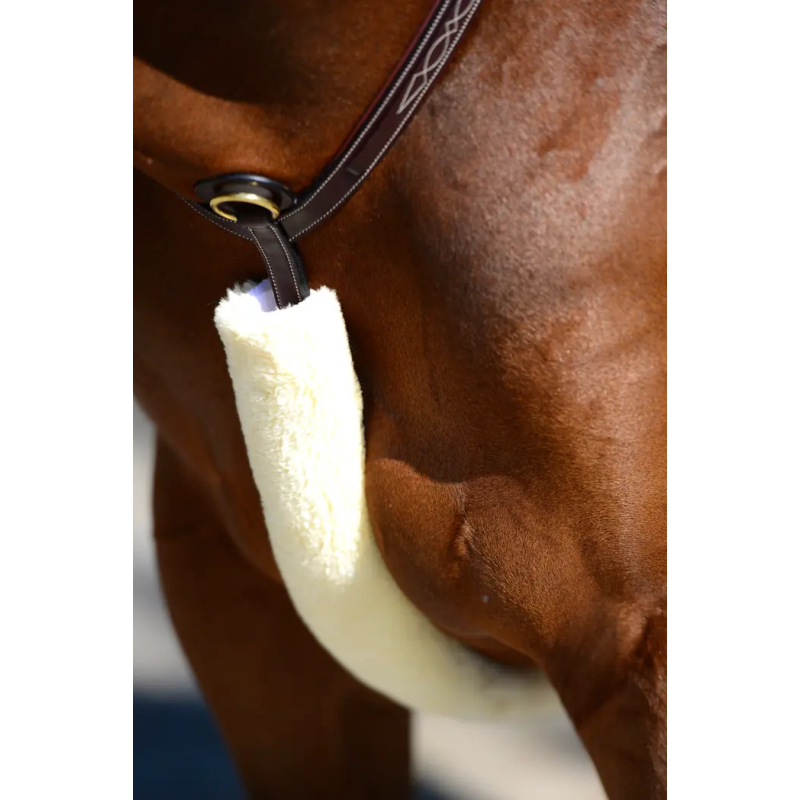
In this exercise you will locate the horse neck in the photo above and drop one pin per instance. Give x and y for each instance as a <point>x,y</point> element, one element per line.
<point>272,89</point>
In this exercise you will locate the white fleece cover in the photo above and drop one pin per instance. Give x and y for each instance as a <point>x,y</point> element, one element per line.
<point>299,403</point>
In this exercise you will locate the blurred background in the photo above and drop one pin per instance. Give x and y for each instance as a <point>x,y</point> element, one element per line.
<point>178,754</point>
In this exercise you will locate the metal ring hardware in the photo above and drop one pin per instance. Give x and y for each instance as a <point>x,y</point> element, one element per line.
<point>243,197</point>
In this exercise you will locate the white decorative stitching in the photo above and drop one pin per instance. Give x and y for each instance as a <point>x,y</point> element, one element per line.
<point>210,218</point>
<point>410,97</point>
<point>397,132</point>
<point>269,269</point>
<point>375,116</point>
<point>289,262</point>
<point>419,81</point>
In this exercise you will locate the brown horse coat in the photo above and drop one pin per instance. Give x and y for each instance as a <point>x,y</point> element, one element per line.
<point>502,276</point>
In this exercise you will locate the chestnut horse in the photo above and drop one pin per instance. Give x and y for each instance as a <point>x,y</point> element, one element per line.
<point>502,275</point>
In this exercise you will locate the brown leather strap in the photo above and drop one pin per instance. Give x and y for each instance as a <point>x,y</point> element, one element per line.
<point>284,265</point>
<point>386,119</point>
<point>363,150</point>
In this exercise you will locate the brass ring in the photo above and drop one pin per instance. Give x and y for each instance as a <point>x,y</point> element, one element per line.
<point>243,197</point>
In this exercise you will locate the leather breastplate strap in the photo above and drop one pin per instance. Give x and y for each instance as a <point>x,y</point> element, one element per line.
<point>272,218</point>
